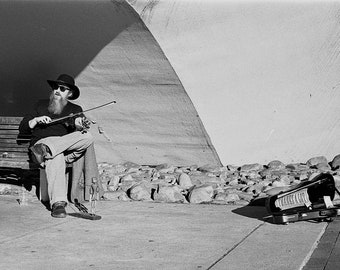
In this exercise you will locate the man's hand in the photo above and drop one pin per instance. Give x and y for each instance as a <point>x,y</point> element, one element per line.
<point>82,123</point>
<point>39,120</point>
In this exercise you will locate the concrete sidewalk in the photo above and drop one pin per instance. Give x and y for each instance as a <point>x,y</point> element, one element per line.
<point>326,255</point>
<point>142,235</point>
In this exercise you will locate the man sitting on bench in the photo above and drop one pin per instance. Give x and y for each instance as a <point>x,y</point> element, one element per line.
<point>54,144</point>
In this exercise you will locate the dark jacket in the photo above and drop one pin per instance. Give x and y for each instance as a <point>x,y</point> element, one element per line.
<point>43,131</point>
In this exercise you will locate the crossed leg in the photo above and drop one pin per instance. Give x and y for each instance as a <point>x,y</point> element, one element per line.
<point>67,148</point>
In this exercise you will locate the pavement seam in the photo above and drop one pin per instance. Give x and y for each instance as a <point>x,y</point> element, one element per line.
<point>313,248</point>
<point>330,254</point>
<point>235,246</point>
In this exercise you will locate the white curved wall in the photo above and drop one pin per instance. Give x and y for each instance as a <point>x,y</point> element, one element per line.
<point>263,75</point>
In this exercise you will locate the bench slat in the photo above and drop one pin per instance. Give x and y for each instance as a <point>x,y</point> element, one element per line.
<point>17,158</point>
<point>15,141</point>
<point>9,132</point>
<point>15,127</point>
<point>8,141</point>
<point>22,164</point>
<point>14,155</point>
<point>10,120</point>
<point>14,148</point>
<point>14,151</point>
<point>8,136</point>
<point>14,135</point>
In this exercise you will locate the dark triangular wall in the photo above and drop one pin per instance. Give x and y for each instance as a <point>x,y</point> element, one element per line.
<point>113,56</point>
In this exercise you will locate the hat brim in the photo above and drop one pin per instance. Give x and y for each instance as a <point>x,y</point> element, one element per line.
<point>74,88</point>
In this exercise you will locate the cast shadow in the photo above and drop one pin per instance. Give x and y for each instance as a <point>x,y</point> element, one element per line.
<point>42,39</point>
<point>255,209</point>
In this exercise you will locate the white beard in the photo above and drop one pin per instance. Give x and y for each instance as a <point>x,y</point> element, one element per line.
<point>56,104</point>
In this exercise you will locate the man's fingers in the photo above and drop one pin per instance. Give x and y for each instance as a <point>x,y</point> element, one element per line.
<point>48,119</point>
<point>44,119</point>
<point>78,121</point>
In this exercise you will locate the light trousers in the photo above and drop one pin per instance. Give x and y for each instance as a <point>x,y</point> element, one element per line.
<point>64,149</point>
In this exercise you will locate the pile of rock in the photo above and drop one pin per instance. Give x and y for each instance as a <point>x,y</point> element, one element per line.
<point>208,184</point>
<point>205,184</point>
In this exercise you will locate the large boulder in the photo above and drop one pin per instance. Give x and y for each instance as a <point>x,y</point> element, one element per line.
<point>114,183</point>
<point>251,167</point>
<point>335,164</point>
<point>201,194</point>
<point>184,181</point>
<point>140,192</point>
<point>276,165</point>
<point>169,194</point>
<point>316,160</point>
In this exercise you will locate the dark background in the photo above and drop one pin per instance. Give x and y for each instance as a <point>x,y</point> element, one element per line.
<point>42,39</point>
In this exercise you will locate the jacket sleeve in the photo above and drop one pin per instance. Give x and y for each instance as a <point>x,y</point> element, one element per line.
<point>24,127</point>
<point>69,123</point>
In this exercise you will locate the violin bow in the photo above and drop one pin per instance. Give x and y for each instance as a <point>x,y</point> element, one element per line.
<point>76,114</point>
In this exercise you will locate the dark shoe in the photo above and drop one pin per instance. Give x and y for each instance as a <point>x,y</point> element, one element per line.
<point>39,153</point>
<point>58,210</point>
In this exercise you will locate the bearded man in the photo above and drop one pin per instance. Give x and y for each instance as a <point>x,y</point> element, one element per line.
<point>53,145</point>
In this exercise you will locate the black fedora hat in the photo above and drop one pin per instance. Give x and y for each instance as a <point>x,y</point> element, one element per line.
<point>67,81</point>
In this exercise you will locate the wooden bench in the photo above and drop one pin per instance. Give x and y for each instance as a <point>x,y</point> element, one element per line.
<point>14,147</point>
<point>15,166</point>
<point>14,157</point>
